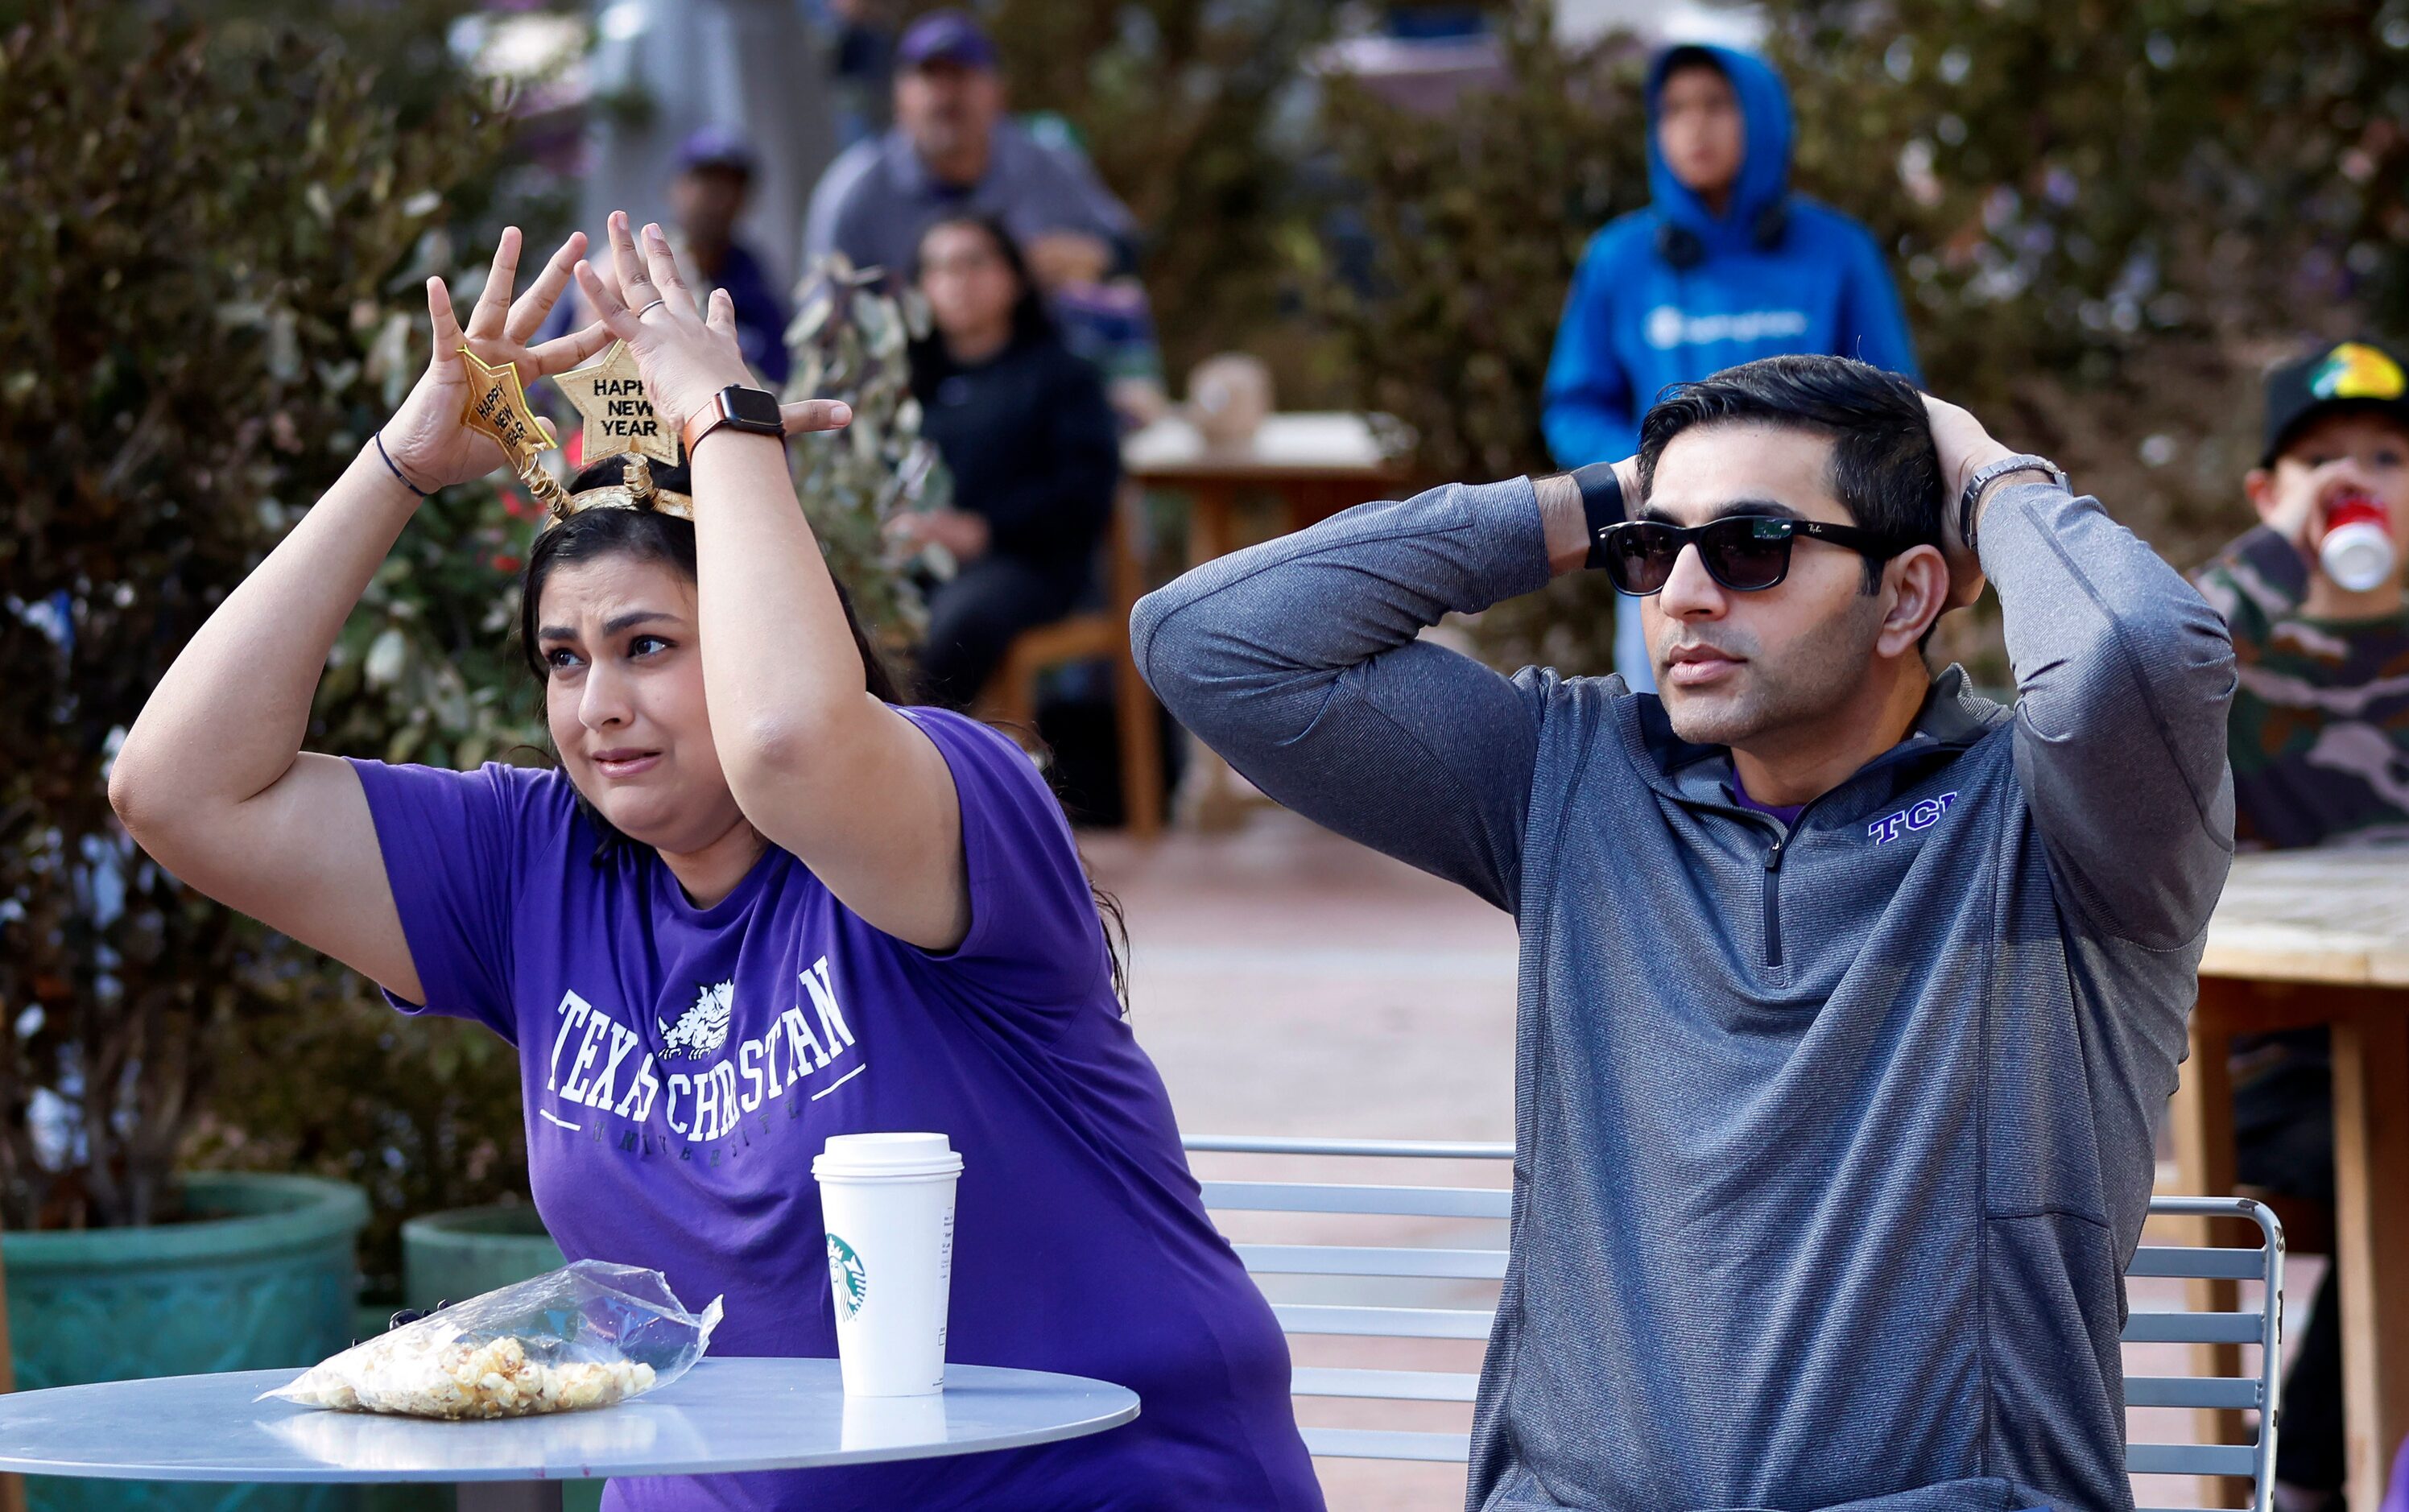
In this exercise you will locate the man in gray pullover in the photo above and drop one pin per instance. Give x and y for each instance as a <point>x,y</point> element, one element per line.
<point>1850,1001</point>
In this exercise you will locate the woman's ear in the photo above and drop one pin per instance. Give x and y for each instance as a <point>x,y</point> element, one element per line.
<point>1917,584</point>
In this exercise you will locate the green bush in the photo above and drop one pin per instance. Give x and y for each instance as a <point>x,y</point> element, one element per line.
<point>213,245</point>
<point>2104,219</point>
<point>1477,220</point>
<point>2107,218</point>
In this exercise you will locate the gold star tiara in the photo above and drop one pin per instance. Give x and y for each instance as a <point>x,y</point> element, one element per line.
<point>620,424</point>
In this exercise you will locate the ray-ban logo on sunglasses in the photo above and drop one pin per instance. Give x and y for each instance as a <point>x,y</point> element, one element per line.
<point>1922,815</point>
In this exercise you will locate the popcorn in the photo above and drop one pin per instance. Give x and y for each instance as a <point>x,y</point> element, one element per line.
<point>592,1334</point>
<point>455,1374</point>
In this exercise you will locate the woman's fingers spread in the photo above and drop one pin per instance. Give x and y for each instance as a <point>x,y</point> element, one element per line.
<point>815,415</point>
<point>662,264</point>
<point>634,286</point>
<point>528,315</point>
<point>722,313</point>
<point>562,353</point>
<point>493,303</point>
<point>444,324</point>
<point>611,311</point>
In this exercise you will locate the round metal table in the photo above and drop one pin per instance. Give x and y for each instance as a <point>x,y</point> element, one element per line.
<point>723,1416</point>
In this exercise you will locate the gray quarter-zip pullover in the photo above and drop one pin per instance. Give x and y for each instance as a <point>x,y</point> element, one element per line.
<point>1832,1141</point>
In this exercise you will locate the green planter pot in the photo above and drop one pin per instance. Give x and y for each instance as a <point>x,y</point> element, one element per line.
<point>450,1256</point>
<point>454,1255</point>
<point>262,1278</point>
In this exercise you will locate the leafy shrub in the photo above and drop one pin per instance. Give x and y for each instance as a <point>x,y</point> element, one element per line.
<point>212,247</point>
<point>1477,219</point>
<point>2104,219</point>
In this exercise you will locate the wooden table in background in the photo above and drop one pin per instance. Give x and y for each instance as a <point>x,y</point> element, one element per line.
<point>2305,937</point>
<point>1311,464</point>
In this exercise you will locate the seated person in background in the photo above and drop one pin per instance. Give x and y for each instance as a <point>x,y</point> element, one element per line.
<point>2319,744</point>
<point>707,197</point>
<point>1032,446</point>
<point>953,151</point>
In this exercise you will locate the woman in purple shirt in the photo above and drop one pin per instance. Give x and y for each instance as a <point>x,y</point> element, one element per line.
<point>757,905</point>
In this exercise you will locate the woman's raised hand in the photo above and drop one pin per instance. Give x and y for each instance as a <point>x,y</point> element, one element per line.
<point>685,355</point>
<point>425,438</point>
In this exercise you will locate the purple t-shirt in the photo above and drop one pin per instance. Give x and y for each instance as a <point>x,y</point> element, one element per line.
<point>683,1065</point>
<point>1787,812</point>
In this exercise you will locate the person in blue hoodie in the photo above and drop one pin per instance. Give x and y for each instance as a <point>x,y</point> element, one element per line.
<point>1724,267</point>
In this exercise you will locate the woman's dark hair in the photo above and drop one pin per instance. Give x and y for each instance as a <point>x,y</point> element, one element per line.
<point>649,536</point>
<point>1029,321</point>
<point>1885,471</point>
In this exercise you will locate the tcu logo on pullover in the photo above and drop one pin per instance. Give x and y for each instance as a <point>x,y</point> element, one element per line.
<point>1922,815</point>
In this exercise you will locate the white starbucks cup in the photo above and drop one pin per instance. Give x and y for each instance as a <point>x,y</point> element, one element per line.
<point>888,1201</point>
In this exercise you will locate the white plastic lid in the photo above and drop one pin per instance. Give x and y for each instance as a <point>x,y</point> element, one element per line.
<point>2357,556</point>
<point>875,1155</point>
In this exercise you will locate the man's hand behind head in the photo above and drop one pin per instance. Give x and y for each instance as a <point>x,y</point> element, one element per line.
<point>1966,448</point>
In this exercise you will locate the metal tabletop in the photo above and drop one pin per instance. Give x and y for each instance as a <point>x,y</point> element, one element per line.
<point>723,1416</point>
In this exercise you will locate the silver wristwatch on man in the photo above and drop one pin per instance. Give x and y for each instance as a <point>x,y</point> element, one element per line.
<point>1984,476</point>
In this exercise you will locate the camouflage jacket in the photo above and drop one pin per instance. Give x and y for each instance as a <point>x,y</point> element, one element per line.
<point>2319,739</point>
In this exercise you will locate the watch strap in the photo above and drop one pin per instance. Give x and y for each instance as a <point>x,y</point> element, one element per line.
<point>1984,476</point>
<point>1602,507</point>
<point>721,409</point>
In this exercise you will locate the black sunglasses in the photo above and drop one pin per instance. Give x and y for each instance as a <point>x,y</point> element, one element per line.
<point>1745,553</point>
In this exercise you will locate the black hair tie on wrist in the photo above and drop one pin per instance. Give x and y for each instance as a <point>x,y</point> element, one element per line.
<point>396,470</point>
<point>1602,507</point>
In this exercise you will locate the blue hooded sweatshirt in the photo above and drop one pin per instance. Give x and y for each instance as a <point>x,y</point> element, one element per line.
<point>1633,323</point>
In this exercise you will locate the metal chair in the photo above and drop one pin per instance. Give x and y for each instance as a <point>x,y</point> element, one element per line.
<point>1379,1265</point>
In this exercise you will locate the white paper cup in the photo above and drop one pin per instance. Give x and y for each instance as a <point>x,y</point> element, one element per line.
<point>888,1201</point>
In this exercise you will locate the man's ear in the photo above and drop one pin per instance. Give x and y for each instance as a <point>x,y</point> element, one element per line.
<point>2259,483</point>
<point>1917,584</point>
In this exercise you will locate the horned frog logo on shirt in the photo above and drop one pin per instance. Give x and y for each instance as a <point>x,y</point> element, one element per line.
<point>703,1027</point>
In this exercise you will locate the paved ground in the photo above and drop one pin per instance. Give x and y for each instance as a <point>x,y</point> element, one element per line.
<point>1289,982</point>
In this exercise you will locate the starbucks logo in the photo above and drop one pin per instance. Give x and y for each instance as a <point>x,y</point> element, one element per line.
<point>847,1277</point>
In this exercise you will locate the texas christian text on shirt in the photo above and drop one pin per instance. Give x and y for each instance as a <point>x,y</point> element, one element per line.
<point>706,1102</point>
<point>681,1065</point>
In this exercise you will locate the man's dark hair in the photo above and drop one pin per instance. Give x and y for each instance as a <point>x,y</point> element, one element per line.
<point>1885,471</point>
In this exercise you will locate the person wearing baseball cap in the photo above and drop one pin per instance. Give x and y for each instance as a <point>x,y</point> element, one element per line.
<point>2313,595</point>
<point>2319,747</point>
<point>954,151</point>
<point>715,168</point>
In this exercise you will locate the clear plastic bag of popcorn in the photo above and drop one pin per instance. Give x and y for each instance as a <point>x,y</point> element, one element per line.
<point>591,1334</point>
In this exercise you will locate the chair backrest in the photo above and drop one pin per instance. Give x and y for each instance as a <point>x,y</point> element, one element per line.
<point>1327,1283</point>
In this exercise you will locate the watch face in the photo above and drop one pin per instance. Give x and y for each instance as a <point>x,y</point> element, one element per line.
<point>754,409</point>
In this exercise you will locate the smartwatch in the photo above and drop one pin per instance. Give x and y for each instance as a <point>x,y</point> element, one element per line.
<point>1602,507</point>
<point>738,407</point>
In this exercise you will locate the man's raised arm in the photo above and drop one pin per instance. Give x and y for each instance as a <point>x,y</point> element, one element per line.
<point>2123,675</point>
<point>1297,660</point>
